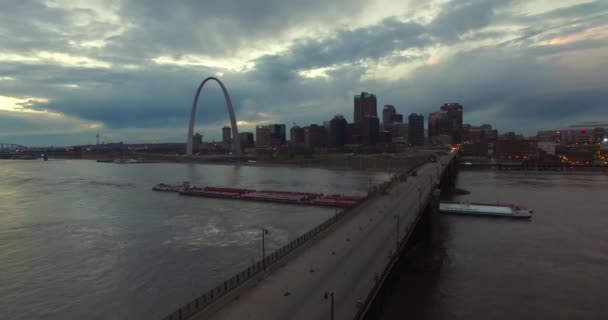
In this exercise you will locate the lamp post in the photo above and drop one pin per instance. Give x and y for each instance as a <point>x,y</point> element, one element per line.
<point>264,232</point>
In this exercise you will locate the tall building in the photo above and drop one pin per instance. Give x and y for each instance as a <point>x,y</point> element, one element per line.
<point>338,131</point>
<point>262,136</point>
<point>388,114</point>
<point>226,134</point>
<point>246,139</point>
<point>365,105</point>
<point>197,142</point>
<point>398,118</point>
<point>296,136</point>
<point>371,130</point>
<point>438,124</point>
<point>277,134</point>
<point>454,114</point>
<point>416,129</point>
<point>315,136</point>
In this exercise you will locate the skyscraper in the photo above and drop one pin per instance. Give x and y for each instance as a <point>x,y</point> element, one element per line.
<point>454,115</point>
<point>365,105</point>
<point>416,129</point>
<point>388,114</point>
<point>371,130</point>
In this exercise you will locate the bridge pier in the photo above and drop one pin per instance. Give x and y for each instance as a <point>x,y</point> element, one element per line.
<point>421,248</point>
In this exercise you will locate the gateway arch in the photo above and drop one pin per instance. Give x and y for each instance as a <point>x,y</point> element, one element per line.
<point>236,141</point>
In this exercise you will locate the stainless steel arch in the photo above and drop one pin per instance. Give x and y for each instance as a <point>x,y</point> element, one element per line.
<point>236,141</point>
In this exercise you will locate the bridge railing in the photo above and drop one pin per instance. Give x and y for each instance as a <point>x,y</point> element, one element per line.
<point>221,290</point>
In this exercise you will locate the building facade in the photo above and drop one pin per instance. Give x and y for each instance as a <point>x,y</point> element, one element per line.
<point>315,136</point>
<point>262,136</point>
<point>338,131</point>
<point>246,139</point>
<point>416,129</point>
<point>388,114</point>
<point>365,105</point>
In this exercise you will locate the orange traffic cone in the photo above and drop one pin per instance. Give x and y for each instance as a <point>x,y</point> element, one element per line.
<point>286,292</point>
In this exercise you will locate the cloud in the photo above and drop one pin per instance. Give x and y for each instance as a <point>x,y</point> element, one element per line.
<point>125,66</point>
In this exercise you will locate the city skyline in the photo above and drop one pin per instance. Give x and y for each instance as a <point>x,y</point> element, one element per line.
<point>129,71</point>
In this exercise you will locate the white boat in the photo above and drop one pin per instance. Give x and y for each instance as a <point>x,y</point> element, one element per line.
<point>485,209</point>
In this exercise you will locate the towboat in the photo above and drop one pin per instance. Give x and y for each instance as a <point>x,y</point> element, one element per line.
<point>485,209</point>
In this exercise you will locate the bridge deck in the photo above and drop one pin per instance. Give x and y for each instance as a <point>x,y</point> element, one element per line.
<point>349,273</point>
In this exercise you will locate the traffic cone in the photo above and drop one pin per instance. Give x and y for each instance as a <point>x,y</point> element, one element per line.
<point>311,270</point>
<point>286,292</point>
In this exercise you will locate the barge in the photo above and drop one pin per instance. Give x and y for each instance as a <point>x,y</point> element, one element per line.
<point>485,209</point>
<point>286,197</point>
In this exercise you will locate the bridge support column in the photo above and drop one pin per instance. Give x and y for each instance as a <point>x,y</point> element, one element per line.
<point>433,232</point>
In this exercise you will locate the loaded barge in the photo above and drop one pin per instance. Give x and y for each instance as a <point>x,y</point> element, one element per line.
<point>286,197</point>
<point>485,209</point>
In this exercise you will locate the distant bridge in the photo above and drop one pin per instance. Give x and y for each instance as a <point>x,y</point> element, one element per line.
<point>12,148</point>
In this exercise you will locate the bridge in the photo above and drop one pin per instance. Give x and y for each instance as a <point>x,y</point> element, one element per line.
<point>336,270</point>
<point>16,151</point>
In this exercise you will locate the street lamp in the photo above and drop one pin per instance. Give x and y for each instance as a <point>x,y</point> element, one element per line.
<point>264,232</point>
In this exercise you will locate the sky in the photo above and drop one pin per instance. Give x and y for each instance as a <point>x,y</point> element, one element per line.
<point>128,70</point>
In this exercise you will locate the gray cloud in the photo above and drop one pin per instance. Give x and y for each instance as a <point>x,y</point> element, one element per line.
<point>508,83</point>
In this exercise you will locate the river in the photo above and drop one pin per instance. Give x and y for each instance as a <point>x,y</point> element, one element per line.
<point>87,240</point>
<point>554,266</point>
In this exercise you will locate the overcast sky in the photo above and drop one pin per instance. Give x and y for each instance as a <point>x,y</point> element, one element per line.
<point>129,69</point>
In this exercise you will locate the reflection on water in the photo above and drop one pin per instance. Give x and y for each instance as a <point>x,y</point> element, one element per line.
<point>80,238</point>
<point>552,267</point>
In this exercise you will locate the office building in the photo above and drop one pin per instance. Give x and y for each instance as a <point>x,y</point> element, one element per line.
<point>296,136</point>
<point>416,129</point>
<point>388,114</point>
<point>262,136</point>
<point>315,136</point>
<point>365,105</point>
<point>338,131</point>
<point>246,139</point>
<point>371,130</point>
